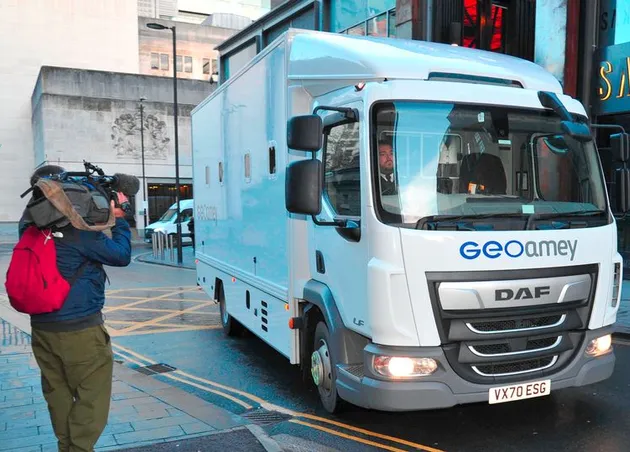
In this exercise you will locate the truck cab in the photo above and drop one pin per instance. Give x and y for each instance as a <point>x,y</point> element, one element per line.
<point>459,224</point>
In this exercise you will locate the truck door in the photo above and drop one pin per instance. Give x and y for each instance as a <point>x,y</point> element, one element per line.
<point>340,256</point>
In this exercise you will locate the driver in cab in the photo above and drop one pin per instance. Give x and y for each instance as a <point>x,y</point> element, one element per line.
<point>386,167</point>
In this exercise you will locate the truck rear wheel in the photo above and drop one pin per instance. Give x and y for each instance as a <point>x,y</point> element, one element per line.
<point>231,327</point>
<point>323,369</point>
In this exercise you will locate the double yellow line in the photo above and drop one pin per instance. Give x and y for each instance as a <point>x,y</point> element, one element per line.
<point>227,392</point>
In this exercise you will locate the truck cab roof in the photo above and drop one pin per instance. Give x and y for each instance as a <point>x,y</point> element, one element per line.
<point>316,56</point>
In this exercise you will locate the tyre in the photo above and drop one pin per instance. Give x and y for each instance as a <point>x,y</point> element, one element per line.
<point>231,327</point>
<point>323,370</point>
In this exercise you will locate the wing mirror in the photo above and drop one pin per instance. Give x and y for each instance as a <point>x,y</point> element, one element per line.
<point>305,133</point>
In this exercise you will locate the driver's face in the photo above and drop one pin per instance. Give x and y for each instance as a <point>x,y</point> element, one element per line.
<point>386,157</point>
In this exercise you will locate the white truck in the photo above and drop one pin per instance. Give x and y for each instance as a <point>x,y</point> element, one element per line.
<point>416,225</point>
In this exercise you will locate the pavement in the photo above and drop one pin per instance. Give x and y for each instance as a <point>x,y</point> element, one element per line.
<point>146,413</point>
<point>188,258</point>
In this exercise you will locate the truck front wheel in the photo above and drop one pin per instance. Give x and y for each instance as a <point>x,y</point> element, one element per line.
<point>323,370</point>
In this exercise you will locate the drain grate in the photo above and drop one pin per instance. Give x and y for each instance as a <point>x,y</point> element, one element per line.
<point>265,417</point>
<point>156,369</point>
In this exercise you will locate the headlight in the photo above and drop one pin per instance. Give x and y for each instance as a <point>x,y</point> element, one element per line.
<point>615,285</point>
<point>599,346</point>
<point>403,367</point>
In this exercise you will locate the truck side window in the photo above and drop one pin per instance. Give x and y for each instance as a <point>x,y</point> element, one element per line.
<point>342,182</point>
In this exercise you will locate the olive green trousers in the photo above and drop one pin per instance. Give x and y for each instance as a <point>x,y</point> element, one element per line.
<point>76,368</point>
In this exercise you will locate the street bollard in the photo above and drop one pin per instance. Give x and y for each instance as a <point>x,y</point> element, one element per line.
<point>160,246</point>
<point>170,245</point>
<point>154,244</point>
<point>166,247</point>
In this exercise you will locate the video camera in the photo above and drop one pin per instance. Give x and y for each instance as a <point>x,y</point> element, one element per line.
<point>90,193</point>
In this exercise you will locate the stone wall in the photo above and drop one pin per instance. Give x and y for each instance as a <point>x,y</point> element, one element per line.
<point>95,116</point>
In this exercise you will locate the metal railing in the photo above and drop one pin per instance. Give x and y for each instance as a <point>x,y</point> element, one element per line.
<point>165,245</point>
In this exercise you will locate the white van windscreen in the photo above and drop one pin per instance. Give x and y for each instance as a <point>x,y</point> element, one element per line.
<point>444,161</point>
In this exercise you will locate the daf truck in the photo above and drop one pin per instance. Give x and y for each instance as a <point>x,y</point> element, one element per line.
<point>415,225</point>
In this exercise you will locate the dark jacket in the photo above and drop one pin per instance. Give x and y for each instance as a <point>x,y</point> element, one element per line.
<point>87,295</point>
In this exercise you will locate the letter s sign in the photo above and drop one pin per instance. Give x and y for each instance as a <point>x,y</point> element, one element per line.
<point>470,250</point>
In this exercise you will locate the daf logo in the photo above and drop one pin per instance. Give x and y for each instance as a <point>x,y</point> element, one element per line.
<point>524,293</point>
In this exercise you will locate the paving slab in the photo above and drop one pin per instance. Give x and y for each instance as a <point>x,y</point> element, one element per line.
<point>145,414</point>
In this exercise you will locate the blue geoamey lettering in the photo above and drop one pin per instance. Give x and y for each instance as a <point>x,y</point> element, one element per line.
<point>514,249</point>
<point>470,250</point>
<point>492,249</point>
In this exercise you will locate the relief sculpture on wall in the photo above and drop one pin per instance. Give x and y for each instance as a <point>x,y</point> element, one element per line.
<point>126,137</point>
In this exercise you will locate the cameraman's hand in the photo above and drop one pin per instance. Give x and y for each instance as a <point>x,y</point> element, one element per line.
<point>118,212</point>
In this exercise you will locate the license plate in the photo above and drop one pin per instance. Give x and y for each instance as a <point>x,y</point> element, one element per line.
<point>519,392</point>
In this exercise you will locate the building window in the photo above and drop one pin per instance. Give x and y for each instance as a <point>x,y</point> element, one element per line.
<point>377,26</point>
<point>378,23</point>
<point>392,24</point>
<point>164,61</point>
<point>206,66</point>
<point>184,64</point>
<point>357,30</point>
<point>155,61</point>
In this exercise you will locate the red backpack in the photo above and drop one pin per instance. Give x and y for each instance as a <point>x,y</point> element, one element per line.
<point>34,284</point>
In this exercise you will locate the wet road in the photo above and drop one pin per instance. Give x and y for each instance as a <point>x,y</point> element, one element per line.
<point>593,418</point>
<point>157,315</point>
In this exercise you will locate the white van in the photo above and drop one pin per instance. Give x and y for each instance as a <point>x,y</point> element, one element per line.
<point>167,222</point>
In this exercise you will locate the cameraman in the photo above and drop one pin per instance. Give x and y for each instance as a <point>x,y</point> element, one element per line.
<point>71,345</point>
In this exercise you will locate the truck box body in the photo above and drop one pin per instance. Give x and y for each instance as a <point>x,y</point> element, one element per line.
<point>490,296</point>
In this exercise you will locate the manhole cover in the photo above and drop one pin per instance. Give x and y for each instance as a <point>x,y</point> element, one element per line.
<point>156,369</point>
<point>264,417</point>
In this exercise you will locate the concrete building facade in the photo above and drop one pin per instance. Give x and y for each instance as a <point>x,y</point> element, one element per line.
<point>90,34</point>
<point>196,57</point>
<point>95,115</point>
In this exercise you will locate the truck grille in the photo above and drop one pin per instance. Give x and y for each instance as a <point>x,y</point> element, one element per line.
<point>515,347</point>
<point>515,368</point>
<point>503,345</point>
<point>517,324</point>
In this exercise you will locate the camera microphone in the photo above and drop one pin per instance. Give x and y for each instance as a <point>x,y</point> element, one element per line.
<point>124,183</point>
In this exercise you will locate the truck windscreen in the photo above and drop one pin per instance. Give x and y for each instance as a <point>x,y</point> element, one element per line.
<point>445,165</point>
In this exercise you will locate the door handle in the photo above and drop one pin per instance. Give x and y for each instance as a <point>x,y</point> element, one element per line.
<point>319,262</point>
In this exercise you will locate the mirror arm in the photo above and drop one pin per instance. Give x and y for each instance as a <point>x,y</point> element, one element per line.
<point>351,114</point>
<point>336,222</point>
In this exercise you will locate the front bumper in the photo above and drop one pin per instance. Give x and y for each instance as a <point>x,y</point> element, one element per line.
<point>446,388</point>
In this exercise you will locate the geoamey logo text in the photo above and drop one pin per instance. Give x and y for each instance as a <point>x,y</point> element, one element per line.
<point>515,249</point>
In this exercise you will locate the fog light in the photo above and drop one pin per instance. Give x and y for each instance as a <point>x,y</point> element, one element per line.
<point>402,367</point>
<point>599,346</point>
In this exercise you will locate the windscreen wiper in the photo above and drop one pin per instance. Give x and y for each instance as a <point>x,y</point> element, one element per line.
<point>422,222</point>
<point>550,216</point>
